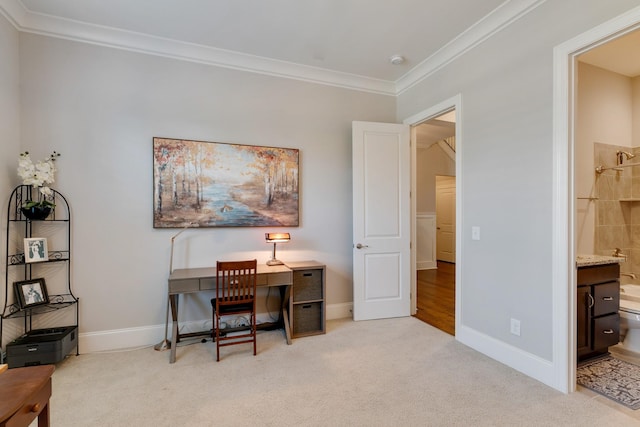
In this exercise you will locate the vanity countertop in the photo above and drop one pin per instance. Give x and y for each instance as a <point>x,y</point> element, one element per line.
<point>588,260</point>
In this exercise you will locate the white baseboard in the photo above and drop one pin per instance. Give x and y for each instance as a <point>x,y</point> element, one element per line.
<point>527,363</point>
<point>145,336</point>
<point>426,265</point>
<point>119,339</point>
<point>339,311</point>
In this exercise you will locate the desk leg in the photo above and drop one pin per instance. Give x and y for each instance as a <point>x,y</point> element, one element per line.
<point>285,313</point>
<point>174,328</point>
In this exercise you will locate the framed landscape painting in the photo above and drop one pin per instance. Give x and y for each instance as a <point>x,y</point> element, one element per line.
<point>214,184</point>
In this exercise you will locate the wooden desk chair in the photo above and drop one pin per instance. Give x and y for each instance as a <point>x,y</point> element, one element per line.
<point>235,295</point>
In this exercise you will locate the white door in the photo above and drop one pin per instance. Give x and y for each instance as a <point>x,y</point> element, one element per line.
<point>446,218</point>
<point>381,220</point>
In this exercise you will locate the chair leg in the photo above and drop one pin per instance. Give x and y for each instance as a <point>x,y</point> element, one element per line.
<point>253,328</point>
<point>217,332</point>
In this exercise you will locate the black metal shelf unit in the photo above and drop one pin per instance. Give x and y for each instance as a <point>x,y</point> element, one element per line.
<point>58,225</point>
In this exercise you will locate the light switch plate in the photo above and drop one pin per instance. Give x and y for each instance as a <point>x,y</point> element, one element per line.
<point>475,233</point>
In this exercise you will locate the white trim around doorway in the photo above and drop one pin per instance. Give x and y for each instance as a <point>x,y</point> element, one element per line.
<point>453,103</point>
<point>563,250</point>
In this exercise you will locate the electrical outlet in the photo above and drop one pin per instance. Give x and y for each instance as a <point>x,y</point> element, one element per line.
<point>515,327</point>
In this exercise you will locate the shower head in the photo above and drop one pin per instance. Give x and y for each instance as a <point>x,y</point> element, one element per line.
<point>620,155</point>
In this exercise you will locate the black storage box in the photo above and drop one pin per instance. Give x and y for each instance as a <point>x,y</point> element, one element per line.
<point>42,346</point>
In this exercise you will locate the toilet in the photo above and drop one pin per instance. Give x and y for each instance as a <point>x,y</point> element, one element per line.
<point>630,317</point>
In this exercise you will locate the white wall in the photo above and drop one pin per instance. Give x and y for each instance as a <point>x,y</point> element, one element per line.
<point>9,121</point>
<point>506,156</point>
<point>635,88</point>
<point>430,161</point>
<point>100,108</point>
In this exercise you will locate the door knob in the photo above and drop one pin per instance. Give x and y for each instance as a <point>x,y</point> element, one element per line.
<point>361,246</point>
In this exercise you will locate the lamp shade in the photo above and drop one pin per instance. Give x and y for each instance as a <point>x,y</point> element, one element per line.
<point>277,237</point>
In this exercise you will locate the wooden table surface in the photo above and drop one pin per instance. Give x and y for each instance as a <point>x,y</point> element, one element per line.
<point>19,386</point>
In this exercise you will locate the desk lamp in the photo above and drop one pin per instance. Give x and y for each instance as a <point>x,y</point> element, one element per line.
<point>276,238</point>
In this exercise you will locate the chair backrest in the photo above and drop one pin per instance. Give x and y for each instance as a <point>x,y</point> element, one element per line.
<point>236,280</point>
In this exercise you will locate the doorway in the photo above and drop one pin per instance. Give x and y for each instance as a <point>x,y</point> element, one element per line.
<point>607,82</point>
<point>563,369</point>
<point>435,202</point>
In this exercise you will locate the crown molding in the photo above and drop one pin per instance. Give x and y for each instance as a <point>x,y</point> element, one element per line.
<point>30,22</point>
<point>505,14</point>
<point>52,26</point>
<point>14,11</point>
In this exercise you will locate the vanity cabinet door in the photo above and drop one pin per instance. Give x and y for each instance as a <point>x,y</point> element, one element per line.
<point>598,301</point>
<point>584,320</point>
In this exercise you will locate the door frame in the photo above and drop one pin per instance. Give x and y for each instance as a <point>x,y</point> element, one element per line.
<point>563,270</point>
<point>453,103</point>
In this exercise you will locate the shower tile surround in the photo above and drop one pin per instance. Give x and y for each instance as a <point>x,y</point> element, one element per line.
<point>618,222</point>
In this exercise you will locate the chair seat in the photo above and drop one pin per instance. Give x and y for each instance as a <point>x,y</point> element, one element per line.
<point>236,307</point>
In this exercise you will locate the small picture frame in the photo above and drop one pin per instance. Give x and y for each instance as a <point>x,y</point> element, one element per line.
<point>35,249</point>
<point>30,293</point>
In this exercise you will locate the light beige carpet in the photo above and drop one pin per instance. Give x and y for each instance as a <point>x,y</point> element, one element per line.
<point>395,372</point>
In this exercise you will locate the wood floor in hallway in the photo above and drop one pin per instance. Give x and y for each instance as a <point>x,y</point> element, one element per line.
<point>436,297</point>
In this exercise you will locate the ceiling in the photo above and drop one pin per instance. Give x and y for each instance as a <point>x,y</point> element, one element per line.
<point>340,42</point>
<point>621,55</point>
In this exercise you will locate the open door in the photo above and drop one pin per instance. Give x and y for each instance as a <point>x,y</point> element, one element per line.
<point>381,220</point>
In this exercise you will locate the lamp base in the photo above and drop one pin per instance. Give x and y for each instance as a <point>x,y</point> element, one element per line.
<point>162,345</point>
<point>274,262</point>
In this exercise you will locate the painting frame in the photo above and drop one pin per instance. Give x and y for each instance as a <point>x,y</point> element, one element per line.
<point>220,184</point>
<point>31,293</point>
<point>35,249</point>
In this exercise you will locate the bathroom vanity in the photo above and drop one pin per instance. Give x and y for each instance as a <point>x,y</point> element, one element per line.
<point>598,301</point>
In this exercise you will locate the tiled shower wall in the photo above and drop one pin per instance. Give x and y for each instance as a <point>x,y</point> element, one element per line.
<point>617,214</point>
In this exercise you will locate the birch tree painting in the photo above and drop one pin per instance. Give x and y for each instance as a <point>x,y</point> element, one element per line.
<point>214,184</point>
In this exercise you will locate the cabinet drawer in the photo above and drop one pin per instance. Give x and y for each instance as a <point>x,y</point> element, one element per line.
<point>598,274</point>
<point>606,331</point>
<point>307,318</point>
<point>307,285</point>
<point>606,298</point>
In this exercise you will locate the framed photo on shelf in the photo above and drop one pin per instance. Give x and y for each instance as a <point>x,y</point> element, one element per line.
<point>30,293</point>
<point>35,249</point>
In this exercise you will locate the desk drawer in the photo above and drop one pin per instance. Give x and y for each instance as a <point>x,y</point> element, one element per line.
<point>262,280</point>
<point>307,285</point>
<point>184,286</point>
<point>207,284</point>
<point>284,278</point>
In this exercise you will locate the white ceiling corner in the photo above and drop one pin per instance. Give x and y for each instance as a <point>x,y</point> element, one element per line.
<point>61,26</point>
<point>499,18</point>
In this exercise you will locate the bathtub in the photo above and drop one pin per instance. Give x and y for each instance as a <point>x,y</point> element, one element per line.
<point>630,317</point>
<point>630,292</point>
